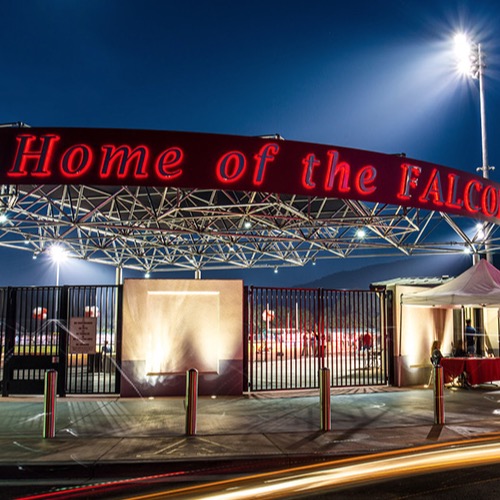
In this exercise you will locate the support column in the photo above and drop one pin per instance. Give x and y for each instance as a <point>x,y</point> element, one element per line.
<point>119,275</point>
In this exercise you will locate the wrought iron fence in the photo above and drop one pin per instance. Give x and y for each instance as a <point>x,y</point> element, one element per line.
<point>292,333</point>
<point>37,335</point>
<point>3,308</point>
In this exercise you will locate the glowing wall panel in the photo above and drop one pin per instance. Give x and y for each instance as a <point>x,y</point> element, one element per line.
<point>183,331</point>
<point>171,326</point>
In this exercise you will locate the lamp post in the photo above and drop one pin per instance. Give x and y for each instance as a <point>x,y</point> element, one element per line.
<point>57,254</point>
<point>470,62</point>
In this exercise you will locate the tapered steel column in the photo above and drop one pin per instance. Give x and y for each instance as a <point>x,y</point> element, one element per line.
<point>49,404</point>
<point>191,401</point>
<point>324,394</point>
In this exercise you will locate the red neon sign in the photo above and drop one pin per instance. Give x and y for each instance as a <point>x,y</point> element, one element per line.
<point>209,161</point>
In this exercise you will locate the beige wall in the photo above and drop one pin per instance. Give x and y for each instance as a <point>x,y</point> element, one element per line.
<point>490,316</point>
<point>171,326</point>
<point>416,328</point>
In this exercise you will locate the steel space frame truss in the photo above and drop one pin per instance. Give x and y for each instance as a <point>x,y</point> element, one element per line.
<point>168,229</point>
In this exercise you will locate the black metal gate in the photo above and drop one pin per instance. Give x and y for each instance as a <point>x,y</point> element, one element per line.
<point>97,372</point>
<point>292,333</point>
<point>3,307</point>
<point>36,337</point>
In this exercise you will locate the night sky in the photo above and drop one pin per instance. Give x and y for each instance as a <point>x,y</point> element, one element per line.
<point>378,76</point>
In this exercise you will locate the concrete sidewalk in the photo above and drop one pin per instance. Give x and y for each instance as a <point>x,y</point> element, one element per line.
<point>94,432</point>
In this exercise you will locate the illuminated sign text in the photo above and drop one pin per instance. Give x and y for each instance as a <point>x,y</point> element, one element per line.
<point>209,161</point>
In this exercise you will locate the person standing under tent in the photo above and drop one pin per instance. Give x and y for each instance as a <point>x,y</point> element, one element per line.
<point>470,338</point>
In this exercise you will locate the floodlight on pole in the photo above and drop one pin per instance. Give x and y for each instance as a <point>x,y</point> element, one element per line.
<point>57,254</point>
<point>470,63</point>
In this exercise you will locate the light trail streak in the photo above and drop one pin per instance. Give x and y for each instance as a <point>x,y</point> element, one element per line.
<point>343,473</point>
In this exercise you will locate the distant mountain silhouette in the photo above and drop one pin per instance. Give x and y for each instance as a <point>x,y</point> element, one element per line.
<point>411,267</point>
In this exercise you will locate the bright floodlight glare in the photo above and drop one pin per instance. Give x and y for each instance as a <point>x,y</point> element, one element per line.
<point>462,45</point>
<point>463,53</point>
<point>58,253</point>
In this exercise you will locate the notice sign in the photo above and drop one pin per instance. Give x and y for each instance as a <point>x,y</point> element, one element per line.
<point>82,335</point>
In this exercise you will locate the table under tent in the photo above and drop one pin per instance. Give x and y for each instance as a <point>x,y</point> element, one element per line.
<point>440,313</point>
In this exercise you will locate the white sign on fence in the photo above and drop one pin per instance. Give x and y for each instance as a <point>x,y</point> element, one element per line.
<point>82,335</point>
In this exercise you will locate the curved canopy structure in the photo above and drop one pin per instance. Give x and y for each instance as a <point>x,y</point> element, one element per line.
<point>163,201</point>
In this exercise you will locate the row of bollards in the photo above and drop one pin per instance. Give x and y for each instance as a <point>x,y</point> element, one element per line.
<point>192,398</point>
<point>50,393</point>
<point>191,402</point>
<point>324,395</point>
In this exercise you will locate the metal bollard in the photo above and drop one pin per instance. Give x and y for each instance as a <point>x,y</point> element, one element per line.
<point>49,404</point>
<point>438,395</point>
<point>325,403</point>
<point>191,401</point>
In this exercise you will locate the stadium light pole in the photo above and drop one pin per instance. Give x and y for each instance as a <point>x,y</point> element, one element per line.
<point>57,254</point>
<point>470,63</point>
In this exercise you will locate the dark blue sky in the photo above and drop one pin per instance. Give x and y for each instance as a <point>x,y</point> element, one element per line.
<point>363,74</point>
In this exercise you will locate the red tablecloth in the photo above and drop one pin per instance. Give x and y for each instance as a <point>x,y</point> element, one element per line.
<point>478,370</point>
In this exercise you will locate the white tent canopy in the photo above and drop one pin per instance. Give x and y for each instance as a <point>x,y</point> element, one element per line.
<point>478,286</point>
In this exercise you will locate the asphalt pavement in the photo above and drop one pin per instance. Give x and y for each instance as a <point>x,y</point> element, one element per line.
<point>94,434</point>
